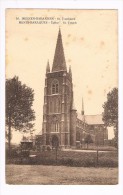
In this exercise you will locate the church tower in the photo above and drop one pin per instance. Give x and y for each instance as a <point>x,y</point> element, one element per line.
<point>59,113</point>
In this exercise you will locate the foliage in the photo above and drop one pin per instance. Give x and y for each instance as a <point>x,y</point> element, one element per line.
<point>19,101</point>
<point>72,158</point>
<point>38,142</point>
<point>88,139</point>
<point>43,148</point>
<point>49,148</point>
<point>110,114</point>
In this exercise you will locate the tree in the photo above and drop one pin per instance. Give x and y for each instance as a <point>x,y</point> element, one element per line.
<point>88,139</point>
<point>19,112</point>
<point>110,114</point>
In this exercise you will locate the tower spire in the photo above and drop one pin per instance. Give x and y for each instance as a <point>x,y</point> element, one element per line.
<point>82,112</point>
<point>48,67</point>
<point>70,72</point>
<point>59,62</point>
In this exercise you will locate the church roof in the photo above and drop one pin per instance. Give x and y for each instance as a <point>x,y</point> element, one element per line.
<point>59,62</point>
<point>91,119</point>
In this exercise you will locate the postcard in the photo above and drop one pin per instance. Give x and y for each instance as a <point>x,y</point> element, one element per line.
<point>62,124</point>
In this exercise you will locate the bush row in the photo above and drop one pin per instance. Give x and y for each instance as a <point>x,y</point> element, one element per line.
<point>64,161</point>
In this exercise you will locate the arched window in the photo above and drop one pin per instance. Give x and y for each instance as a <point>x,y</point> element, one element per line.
<point>55,86</point>
<point>53,89</point>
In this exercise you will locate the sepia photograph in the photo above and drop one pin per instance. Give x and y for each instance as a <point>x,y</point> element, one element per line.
<point>61,96</point>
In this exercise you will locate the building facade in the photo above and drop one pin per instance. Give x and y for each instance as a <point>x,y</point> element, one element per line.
<point>62,125</point>
<point>91,125</point>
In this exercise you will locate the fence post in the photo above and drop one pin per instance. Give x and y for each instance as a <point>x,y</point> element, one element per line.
<point>97,157</point>
<point>56,154</point>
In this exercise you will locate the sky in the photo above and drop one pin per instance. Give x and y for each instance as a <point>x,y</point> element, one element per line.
<point>90,45</point>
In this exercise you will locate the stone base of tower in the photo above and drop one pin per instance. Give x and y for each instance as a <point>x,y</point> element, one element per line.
<point>62,140</point>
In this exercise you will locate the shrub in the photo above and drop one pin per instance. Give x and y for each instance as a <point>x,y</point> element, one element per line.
<point>67,162</point>
<point>14,153</point>
<point>43,148</point>
<point>49,148</point>
<point>25,153</point>
<point>66,158</point>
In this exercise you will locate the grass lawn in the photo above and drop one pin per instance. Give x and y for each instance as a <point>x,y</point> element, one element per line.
<point>46,175</point>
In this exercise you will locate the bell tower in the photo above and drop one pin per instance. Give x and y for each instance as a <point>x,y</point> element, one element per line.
<point>58,101</point>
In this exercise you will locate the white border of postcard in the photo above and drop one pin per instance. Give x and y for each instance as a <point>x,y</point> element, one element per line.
<point>59,189</point>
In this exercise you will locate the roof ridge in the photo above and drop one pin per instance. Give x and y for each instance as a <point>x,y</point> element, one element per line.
<point>89,114</point>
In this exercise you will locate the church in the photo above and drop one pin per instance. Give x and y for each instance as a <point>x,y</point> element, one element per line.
<point>62,125</point>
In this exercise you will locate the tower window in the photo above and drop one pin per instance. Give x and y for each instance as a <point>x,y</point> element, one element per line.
<point>55,87</point>
<point>56,127</point>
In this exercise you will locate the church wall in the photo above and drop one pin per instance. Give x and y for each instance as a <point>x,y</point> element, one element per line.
<point>73,128</point>
<point>98,132</point>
